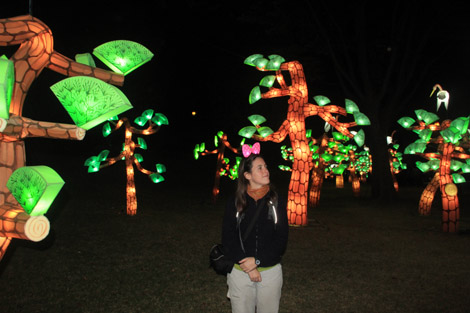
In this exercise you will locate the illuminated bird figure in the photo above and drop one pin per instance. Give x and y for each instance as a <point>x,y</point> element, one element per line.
<point>442,96</point>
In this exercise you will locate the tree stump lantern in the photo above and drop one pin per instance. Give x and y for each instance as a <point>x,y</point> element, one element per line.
<point>223,166</point>
<point>445,145</point>
<point>293,126</point>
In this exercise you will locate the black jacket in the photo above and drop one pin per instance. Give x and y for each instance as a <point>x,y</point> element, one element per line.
<point>267,240</point>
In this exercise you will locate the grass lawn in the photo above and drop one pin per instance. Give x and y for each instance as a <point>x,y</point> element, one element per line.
<point>354,256</point>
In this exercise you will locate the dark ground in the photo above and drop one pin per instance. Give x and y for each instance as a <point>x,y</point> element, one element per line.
<point>355,256</point>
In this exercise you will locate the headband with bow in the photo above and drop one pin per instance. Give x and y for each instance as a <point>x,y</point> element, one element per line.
<point>247,150</point>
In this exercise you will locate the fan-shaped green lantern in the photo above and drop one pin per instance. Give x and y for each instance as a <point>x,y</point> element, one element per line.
<point>160,119</point>
<point>123,56</point>
<point>90,101</point>
<point>361,119</point>
<point>321,100</point>
<point>85,58</point>
<point>256,119</point>
<point>247,131</point>
<point>35,188</point>
<point>406,121</point>
<point>359,138</point>
<point>7,80</point>
<point>351,106</point>
<point>255,95</point>
<point>268,81</point>
<point>251,59</point>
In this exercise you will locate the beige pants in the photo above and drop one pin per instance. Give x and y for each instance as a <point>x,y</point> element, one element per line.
<point>246,295</point>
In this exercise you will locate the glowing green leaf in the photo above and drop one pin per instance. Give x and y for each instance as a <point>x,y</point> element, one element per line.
<point>202,147</point>
<point>465,168</point>
<point>361,119</point>
<point>247,131</point>
<point>458,179</point>
<point>123,56</point>
<point>106,130</point>
<point>337,136</point>
<point>251,59</point>
<point>455,165</point>
<point>321,100</point>
<point>425,134</point>
<point>255,95</point>
<point>140,120</point>
<point>141,142</point>
<point>434,164</point>
<point>423,167</point>
<point>327,157</point>
<point>85,58</point>
<point>256,119</point>
<point>156,178</point>
<point>220,134</point>
<point>359,138</point>
<point>196,152</point>
<point>90,101</point>
<point>35,188</point>
<point>160,168</point>
<point>160,119</point>
<point>216,141</point>
<point>139,157</point>
<point>148,114</point>
<point>274,62</point>
<point>430,118</point>
<point>308,133</point>
<point>460,123</point>
<point>260,63</point>
<point>406,121</point>
<point>7,80</point>
<point>451,134</point>
<point>92,160</point>
<point>103,155</point>
<point>351,106</point>
<point>268,81</point>
<point>265,131</point>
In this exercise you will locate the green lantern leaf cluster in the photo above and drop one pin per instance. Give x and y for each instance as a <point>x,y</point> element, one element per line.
<point>256,120</point>
<point>148,115</point>
<point>90,101</point>
<point>272,63</point>
<point>426,117</point>
<point>35,188</point>
<point>123,56</point>
<point>157,177</point>
<point>199,148</point>
<point>94,162</point>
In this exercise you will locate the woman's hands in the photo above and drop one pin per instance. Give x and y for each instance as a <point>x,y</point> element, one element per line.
<point>248,265</point>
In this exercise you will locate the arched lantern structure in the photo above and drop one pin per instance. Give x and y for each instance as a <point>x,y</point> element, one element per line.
<point>299,108</point>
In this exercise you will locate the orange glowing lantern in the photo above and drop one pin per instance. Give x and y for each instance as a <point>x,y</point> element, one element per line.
<point>298,110</point>
<point>451,142</point>
<point>223,167</point>
<point>102,160</point>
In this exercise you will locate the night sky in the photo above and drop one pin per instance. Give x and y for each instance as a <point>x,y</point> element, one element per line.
<point>200,47</point>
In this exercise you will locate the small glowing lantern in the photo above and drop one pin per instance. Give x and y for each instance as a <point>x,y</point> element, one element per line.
<point>321,100</point>
<point>7,79</point>
<point>123,56</point>
<point>35,188</point>
<point>90,101</point>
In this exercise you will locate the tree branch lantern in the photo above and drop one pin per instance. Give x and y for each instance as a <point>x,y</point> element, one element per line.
<point>36,52</point>
<point>446,146</point>
<point>102,160</point>
<point>223,166</point>
<point>294,125</point>
<point>395,159</point>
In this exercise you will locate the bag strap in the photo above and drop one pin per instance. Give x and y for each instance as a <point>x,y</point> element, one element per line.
<point>252,223</point>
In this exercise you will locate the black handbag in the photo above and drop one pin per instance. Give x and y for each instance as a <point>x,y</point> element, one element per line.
<point>218,261</point>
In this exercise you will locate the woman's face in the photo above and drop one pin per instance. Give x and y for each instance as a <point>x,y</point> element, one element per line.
<point>259,175</point>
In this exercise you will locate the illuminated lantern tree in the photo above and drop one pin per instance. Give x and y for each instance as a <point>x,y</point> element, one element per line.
<point>293,126</point>
<point>223,166</point>
<point>35,53</point>
<point>102,160</point>
<point>446,147</point>
<point>395,160</point>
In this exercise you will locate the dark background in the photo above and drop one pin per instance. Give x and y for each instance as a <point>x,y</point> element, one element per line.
<point>199,49</point>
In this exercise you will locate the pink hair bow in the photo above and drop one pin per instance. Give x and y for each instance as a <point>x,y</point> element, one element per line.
<point>247,150</point>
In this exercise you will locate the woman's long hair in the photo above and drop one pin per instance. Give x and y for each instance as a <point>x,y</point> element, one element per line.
<point>245,166</point>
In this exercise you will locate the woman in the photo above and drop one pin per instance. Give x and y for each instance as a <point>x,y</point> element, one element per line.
<point>254,234</point>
